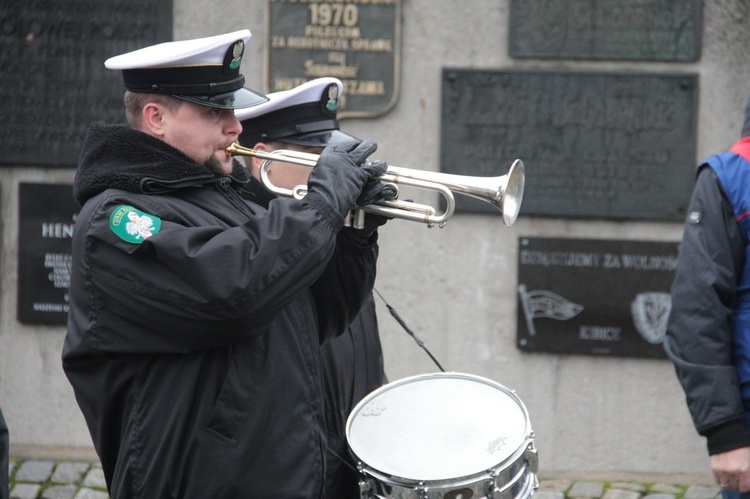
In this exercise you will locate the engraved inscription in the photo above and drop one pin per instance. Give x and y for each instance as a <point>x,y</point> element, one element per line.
<point>622,309</point>
<point>54,83</point>
<point>594,145</point>
<point>47,214</point>
<point>357,41</point>
<point>668,30</point>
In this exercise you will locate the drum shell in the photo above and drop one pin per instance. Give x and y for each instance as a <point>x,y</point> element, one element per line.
<point>516,481</point>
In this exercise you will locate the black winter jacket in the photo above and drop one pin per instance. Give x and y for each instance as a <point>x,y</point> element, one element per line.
<point>699,334</point>
<point>194,353</point>
<point>352,368</point>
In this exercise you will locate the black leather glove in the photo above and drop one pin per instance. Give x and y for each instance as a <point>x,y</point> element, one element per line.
<point>373,192</point>
<point>338,178</point>
<point>367,234</point>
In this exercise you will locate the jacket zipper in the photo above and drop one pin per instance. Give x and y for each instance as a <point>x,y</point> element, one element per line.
<point>224,185</point>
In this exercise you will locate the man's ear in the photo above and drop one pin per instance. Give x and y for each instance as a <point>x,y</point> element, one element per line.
<point>152,119</point>
<point>257,162</point>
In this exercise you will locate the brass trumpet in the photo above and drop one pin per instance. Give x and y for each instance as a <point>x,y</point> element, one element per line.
<point>504,191</point>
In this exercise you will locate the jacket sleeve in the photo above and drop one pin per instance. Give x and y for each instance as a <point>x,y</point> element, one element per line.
<point>342,289</point>
<point>699,335</point>
<point>349,274</point>
<point>194,285</point>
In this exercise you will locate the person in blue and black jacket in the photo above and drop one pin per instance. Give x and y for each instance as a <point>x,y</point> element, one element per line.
<point>708,335</point>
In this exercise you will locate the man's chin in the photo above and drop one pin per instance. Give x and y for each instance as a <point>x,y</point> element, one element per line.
<point>218,166</point>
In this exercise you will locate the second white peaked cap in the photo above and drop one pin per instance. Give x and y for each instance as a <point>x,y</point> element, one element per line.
<point>203,70</point>
<point>304,115</point>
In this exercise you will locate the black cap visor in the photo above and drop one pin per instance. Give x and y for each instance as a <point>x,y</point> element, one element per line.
<point>206,85</point>
<point>238,99</point>
<point>318,139</point>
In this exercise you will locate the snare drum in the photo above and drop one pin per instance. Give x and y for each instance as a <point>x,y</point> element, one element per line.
<point>443,435</point>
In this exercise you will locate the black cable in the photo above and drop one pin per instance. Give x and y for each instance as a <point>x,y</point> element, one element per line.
<point>406,328</point>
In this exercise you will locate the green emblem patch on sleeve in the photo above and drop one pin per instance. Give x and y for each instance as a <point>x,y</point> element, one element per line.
<point>133,226</point>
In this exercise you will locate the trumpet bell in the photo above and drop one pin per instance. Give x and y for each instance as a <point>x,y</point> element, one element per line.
<point>512,192</point>
<point>504,192</point>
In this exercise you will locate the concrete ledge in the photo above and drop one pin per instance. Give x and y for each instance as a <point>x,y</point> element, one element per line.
<point>24,451</point>
<point>624,476</point>
<point>69,453</point>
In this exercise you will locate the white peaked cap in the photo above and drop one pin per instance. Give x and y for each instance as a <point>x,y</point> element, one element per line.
<point>203,70</point>
<point>210,50</point>
<point>303,94</point>
<point>304,115</point>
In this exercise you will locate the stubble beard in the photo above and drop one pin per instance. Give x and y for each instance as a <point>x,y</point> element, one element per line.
<point>215,166</point>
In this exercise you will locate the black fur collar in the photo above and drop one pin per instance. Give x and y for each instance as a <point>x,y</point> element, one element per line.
<point>117,156</point>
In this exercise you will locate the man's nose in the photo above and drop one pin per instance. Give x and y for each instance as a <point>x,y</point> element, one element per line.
<point>233,125</point>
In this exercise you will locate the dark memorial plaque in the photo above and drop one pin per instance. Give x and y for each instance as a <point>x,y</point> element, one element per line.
<point>648,30</point>
<point>357,41</point>
<point>598,297</point>
<point>595,145</point>
<point>47,213</point>
<point>53,83</point>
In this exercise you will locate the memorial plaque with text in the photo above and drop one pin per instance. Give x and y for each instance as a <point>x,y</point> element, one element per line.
<point>358,42</point>
<point>53,80</point>
<point>598,297</point>
<point>594,145</point>
<point>47,214</point>
<point>649,30</point>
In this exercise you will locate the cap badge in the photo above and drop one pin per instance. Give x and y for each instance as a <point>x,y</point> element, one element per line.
<point>237,49</point>
<point>333,96</point>
<point>133,226</point>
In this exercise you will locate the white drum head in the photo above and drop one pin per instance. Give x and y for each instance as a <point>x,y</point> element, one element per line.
<point>437,427</point>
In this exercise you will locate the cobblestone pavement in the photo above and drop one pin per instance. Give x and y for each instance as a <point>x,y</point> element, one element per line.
<point>586,489</point>
<point>61,479</point>
<point>49,479</point>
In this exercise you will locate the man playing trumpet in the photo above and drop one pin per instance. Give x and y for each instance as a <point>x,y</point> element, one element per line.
<point>196,315</point>
<point>303,119</point>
